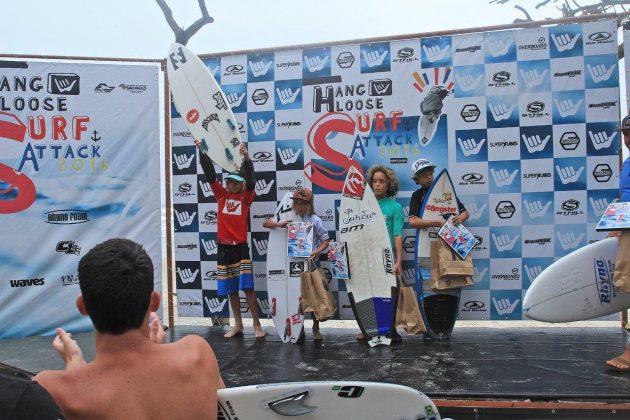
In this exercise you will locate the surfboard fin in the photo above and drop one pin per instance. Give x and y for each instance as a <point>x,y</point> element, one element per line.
<point>229,155</point>
<point>292,405</point>
<point>231,124</point>
<point>204,145</point>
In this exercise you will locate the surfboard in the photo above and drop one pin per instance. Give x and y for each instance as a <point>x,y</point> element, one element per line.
<point>372,284</point>
<point>577,287</point>
<point>439,310</point>
<point>325,400</point>
<point>204,107</point>
<point>283,278</point>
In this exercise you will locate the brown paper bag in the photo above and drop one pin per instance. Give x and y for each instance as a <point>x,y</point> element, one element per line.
<point>316,296</point>
<point>621,277</point>
<point>408,312</point>
<point>448,271</point>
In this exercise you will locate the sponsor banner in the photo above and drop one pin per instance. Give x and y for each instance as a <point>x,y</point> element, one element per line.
<point>79,164</point>
<point>524,120</point>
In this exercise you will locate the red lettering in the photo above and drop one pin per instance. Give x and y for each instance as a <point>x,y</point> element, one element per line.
<point>79,125</point>
<point>25,190</point>
<point>395,115</point>
<point>379,121</point>
<point>39,132</point>
<point>333,122</point>
<point>58,128</point>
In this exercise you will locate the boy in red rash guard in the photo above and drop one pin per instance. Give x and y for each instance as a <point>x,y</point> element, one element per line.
<point>234,264</point>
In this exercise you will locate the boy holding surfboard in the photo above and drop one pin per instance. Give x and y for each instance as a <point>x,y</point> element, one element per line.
<point>304,211</point>
<point>422,172</point>
<point>234,264</point>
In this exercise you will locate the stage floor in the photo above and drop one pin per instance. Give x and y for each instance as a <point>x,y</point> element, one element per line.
<point>517,364</point>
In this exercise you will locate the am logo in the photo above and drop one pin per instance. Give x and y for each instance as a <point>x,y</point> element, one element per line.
<point>348,391</point>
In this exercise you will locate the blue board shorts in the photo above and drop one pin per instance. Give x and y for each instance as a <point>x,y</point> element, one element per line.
<point>234,269</point>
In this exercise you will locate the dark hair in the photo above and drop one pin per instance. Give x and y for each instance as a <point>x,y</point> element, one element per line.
<point>116,281</point>
<point>389,174</point>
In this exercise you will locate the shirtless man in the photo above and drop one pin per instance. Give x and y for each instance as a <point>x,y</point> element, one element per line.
<point>133,374</point>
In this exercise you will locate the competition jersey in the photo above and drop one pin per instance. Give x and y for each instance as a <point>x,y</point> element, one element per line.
<point>233,214</point>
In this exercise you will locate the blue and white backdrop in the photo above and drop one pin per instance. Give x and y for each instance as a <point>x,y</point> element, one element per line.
<point>79,164</point>
<point>524,120</point>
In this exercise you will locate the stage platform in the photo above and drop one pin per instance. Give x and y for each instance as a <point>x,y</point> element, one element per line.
<point>482,372</point>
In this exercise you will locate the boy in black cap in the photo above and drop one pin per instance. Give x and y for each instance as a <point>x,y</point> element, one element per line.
<point>422,172</point>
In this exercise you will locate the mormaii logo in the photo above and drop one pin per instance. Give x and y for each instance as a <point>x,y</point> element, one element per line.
<point>27,282</point>
<point>66,217</point>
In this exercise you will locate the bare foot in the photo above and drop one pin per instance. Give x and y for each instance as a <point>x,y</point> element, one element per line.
<point>316,335</point>
<point>621,362</point>
<point>360,336</point>
<point>234,332</point>
<point>259,332</point>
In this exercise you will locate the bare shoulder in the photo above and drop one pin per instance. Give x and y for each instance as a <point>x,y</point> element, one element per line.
<point>193,348</point>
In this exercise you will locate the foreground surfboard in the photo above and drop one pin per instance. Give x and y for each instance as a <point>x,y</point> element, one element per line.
<point>372,282</point>
<point>204,107</point>
<point>439,309</point>
<point>325,400</point>
<point>577,287</point>
<point>283,278</point>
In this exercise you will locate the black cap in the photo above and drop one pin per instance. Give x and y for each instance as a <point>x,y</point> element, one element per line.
<point>625,123</point>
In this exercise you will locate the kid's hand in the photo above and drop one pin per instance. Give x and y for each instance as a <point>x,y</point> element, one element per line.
<point>244,152</point>
<point>283,224</point>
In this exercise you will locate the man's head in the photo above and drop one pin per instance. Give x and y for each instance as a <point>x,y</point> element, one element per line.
<point>116,281</point>
<point>234,183</point>
<point>422,171</point>
<point>625,130</point>
<point>303,202</point>
<point>383,181</point>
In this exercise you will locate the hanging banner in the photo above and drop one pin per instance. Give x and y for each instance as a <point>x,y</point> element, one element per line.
<point>79,164</point>
<point>524,120</point>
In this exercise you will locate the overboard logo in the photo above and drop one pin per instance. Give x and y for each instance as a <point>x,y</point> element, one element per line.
<point>67,217</point>
<point>604,281</point>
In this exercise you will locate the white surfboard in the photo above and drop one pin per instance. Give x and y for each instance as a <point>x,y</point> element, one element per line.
<point>204,107</point>
<point>577,287</point>
<point>283,278</point>
<point>370,257</point>
<point>325,400</point>
<point>439,309</point>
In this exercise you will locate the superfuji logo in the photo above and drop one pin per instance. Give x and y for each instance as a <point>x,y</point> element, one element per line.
<point>192,116</point>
